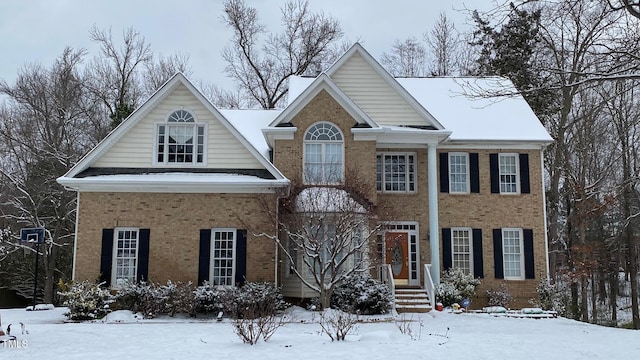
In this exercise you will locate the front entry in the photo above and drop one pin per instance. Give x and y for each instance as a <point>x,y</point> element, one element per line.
<point>397,255</point>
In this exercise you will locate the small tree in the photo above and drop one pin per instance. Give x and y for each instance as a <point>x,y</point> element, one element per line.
<point>327,236</point>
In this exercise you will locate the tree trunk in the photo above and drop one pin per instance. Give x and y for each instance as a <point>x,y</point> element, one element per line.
<point>49,280</point>
<point>629,239</point>
<point>594,300</point>
<point>584,298</point>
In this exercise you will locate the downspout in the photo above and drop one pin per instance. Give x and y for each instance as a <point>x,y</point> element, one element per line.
<point>434,240</point>
<point>277,234</point>
<point>75,238</point>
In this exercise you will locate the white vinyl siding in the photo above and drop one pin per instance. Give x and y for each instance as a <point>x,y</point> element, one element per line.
<point>136,148</point>
<point>374,95</point>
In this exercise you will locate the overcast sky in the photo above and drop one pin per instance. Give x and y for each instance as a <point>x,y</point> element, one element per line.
<point>36,31</point>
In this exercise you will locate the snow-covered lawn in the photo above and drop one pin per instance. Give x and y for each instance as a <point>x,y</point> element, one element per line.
<point>469,336</point>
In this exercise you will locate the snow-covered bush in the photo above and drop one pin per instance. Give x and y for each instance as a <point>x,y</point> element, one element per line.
<point>361,294</point>
<point>86,300</point>
<point>253,299</point>
<point>152,299</point>
<point>179,298</point>
<point>552,296</point>
<point>455,286</point>
<point>207,298</point>
<point>499,297</point>
<point>144,297</point>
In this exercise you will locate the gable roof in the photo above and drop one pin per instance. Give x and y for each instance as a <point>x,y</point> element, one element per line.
<point>471,118</point>
<point>358,49</point>
<point>322,82</point>
<point>134,118</point>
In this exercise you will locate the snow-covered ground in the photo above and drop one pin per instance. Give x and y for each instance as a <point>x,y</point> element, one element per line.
<point>436,335</point>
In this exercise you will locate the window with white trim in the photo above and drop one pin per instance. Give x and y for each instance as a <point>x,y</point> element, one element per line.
<point>222,256</point>
<point>180,140</point>
<point>323,154</point>
<point>396,172</point>
<point>462,249</point>
<point>509,174</point>
<point>512,253</point>
<point>459,173</point>
<point>125,256</point>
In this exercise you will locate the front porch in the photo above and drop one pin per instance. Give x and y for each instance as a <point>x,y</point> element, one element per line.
<point>407,298</point>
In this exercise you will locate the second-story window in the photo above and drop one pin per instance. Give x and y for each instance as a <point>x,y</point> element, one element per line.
<point>396,172</point>
<point>323,154</point>
<point>508,167</point>
<point>180,140</point>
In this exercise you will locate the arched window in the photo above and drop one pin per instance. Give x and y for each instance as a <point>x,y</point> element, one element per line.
<point>180,140</point>
<point>323,154</point>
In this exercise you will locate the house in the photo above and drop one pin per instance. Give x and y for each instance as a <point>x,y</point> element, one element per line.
<point>184,191</point>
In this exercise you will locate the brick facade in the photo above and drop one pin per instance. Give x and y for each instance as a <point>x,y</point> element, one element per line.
<point>175,221</point>
<point>482,210</point>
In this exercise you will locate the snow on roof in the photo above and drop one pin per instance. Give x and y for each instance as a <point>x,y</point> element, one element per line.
<point>468,118</point>
<point>250,124</point>
<point>179,177</point>
<point>327,199</point>
<point>297,84</point>
<point>475,118</point>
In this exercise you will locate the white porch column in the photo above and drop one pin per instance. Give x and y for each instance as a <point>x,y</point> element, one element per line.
<point>434,238</point>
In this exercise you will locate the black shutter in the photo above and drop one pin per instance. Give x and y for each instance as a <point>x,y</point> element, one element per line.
<point>106,256</point>
<point>204,259</point>
<point>474,172</point>
<point>446,249</point>
<point>529,272</point>
<point>495,173</point>
<point>478,266</point>
<point>241,257</point>
<point>524,174</point>
<point>444,172</point>
<point>143,255</point>
<point>497,253</point>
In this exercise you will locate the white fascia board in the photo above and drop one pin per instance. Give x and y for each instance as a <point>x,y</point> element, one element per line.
<point>276,133</point>
<point>495,144</point>
<point>400,136</point>
<point>249,187</point>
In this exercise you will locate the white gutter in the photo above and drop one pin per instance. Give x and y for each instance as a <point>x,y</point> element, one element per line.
<point>168,186</point>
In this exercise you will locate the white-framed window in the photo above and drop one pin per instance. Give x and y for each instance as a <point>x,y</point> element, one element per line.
<point>509,173</point>
<point>125,256</point>
<point>180,140</point>
<point>396,172</point>
<point>462,249</point>
<point>512,253</point>
<point>223,249</point>
<point>323,154</point>
<point>459,173</point>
